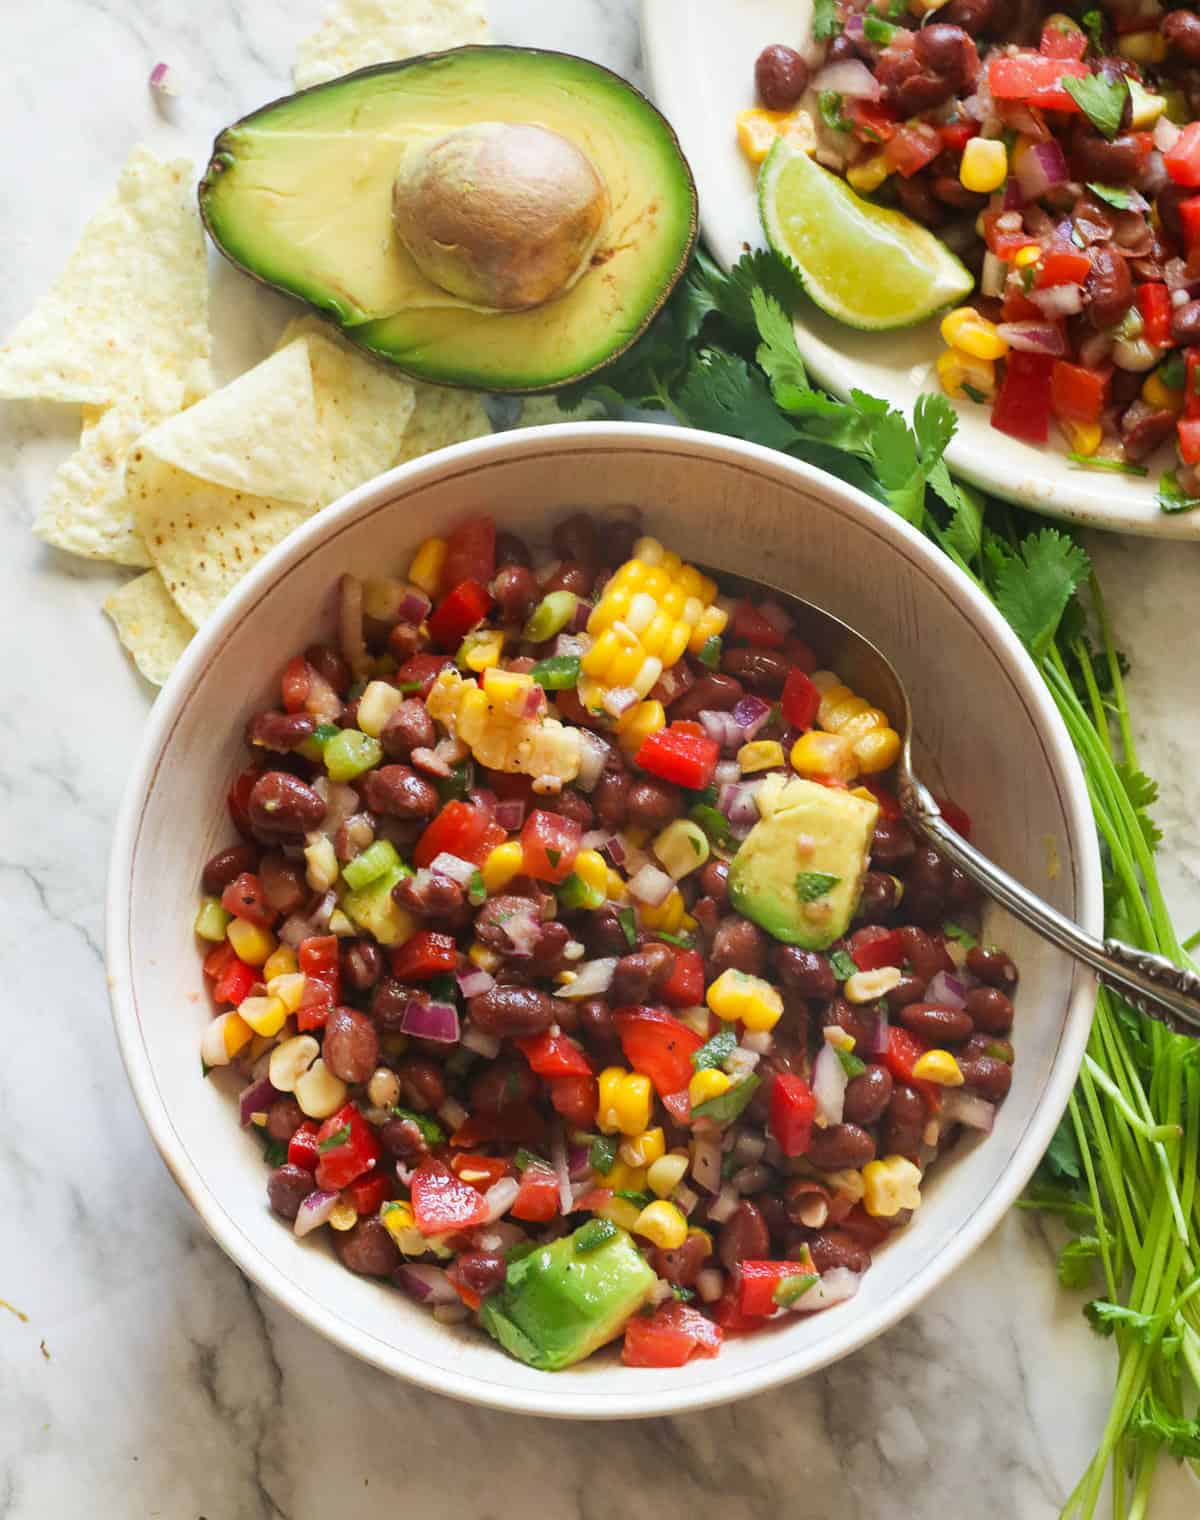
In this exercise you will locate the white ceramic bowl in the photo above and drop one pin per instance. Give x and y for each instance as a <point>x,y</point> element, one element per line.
<point>981,711</point>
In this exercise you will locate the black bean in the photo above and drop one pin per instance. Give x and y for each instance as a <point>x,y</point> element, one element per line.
<point>281,805</point>
<point>287,1188</point>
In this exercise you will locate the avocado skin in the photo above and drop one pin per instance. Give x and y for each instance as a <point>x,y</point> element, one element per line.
<point>558,1305</point>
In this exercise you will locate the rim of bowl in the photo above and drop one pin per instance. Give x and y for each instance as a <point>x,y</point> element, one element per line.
<point>547,441</point>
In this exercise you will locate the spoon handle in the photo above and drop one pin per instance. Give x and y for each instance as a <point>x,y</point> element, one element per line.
<point>1150,982</point>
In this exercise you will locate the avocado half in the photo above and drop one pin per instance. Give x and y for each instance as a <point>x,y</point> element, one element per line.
<point>299,194</point>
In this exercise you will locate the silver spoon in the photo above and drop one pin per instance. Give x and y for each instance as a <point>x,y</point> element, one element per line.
<point>1150,982</point>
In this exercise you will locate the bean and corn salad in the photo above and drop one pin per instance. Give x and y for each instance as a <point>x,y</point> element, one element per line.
<point>500,1002</point>
<point>1059,155</point>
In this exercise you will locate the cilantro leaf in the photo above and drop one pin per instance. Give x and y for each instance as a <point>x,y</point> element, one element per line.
<point>722,393</point>
<point>431,1131</point>
<point>1093,25</point>
<point>602,1156</point>
<point>763,270</point>
<point>715,1052</point>
<point>275,1152</point>
<point>1101,99</point>
<point>628,922</point>
<point>1142,792</point>
<point>825,21</point>
<point>682,1295</point>
<point>594,1234</point>
<point>1034,585</point>
<point>899,467</point>
<point>843,966</point>
<point>726,1106</point>
<point>1075,1261</point>
<point>1171,495</point>
<point>951,930</point>
<point>1105,1318</point>
<point>778,355</point>
<point>331,1142</point>
<point>964,534</point>
<point>1152,1418</point>
<point>1113,195</point>
<point>810,885</point>
<point>1062,1157</point>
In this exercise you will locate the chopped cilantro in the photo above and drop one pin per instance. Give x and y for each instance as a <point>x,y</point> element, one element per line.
<point>594,1234</point>
<point>789,1289</point>
<point>1114,195</point>
<point>602,1156</point>
<point>408,687</point>
<point>680,941</point>
<point>476,891</point>
<point>712,821</point>
<point>431,1131</point>
<point>553,856</point>
<point>524,1159</point>
<point>443,988</point>
<point>1171,495</point>
<point>974,393</point>
<point>810,885</point>
<point>825,21</point>
<point>331,1142</point>
<point>628,922</point>
<point>954,931</point>
<point>205,1068</point>
<point>851,1064</point>
<point>1093,25</point>
<point>630,1195</point>
<point>726,1106</point>
<point>829,103</point>
<point>1117,466</point>
<point>682,1295</point>
<point>1173,372</point>
<point>715,1052</point>
<point>842,964</point>
<point>1101,99</point>
<point>275,1152</point>
<point>324,732</point>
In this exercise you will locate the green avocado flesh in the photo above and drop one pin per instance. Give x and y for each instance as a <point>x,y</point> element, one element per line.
<point>776,878</point>
<point>560,1304</point>
<point>299,194</point>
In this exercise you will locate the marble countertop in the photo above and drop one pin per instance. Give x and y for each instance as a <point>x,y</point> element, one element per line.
<point>149,1379</point>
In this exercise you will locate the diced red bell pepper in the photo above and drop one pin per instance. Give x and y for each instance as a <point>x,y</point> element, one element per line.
<point>470,554</point>
<point>748,626</point>
<point>958,818</point>
<point>1154,303</point>
<point>684,988</point>
<point>302,1147</point>
<point>793,1109</point>
<point>1033,78</point>
<point>537,1201</point>
<point>727,1311</point>
<point>1189,439</point>
<point>217,959</point>
<point>658,1045</point>
<point>441,1201</point>
<point>576,1099</point>
<point>681,753</point>
<point>348,1148</point>
<point>956,135</point>
<point>459,829</point>
<point>1078,394</point>
<point>454,617</point>
<point>235,982</point>
<point>1063,42</point>
<point>238,799</point>
<point>418,673</point>
<point>669,1337</point>
<point>800,700</point>
<point>244,898</point>
<point>1022,404</point>
<point>889,803</point>
<point>913,146</point>
<point>759,1280</point>
<point>1002,244</point>
<point>515,1124</point>
<point>425,954</point>
<point>481,1172</point>
<point>368,1194</point>
<point>885,949</point>
<point>319,956</point>
<point>904,1050</point>
<point>679,1106</point>
<point>554,1055</point>
<point>1183,160</point>
<point>1062,266</point>
<point>549,844</point>
<point>1189,218</point>
<point>869,121</point>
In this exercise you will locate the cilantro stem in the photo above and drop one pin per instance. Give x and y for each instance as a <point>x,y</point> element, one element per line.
<point>1153,1132</point>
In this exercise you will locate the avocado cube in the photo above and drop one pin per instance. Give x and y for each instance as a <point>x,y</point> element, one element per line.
<point>373,909</point>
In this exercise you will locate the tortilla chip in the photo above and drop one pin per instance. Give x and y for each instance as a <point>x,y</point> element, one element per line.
<point>363,406</point>
<point>127,319</point>
<point>87,512</point>
<point>149,625</point>
<point>442,417</point>
<point>356,33</point>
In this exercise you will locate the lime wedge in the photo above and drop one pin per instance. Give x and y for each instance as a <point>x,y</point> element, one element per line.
<point>866,265</point>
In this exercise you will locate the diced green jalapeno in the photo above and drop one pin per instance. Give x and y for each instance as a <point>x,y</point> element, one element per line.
<point>550,616</point>
<point>371,864</point>
<point>557,673</point>
<point>710,654</point>
<point>575,893</point>
<point>349,753</point>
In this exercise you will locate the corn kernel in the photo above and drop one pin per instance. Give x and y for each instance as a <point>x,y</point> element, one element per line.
<point>662,1223</point>
<point>819,754</point>
<point>251,943</point>
<point>1027,257</point>
<point>838,1037</point>
<point>833,716</point>
<point>1160,396</point>
<point>664,1175</point>
<point>869,174</point>
<point>265,1015</point>
<point>343,1215</point>
<point>706,1084</point>
<point>426,568</point>
<point>866,986</point>
<point>984,166</point>
<point>288,987</point>
<point>641,1150</point>
<point>669,915</point>
<point>709,625</point>
<point>826,680</point>
<point>480,955</point>
<point>615,886</point>
<point>625,1101</point>
<point>890,1185</point>
<point>737,995</point>
<point>760,755</point>
<point>970,333</point>
<point>938,1066</point>
<point>637,723</point>
<point>1082,437</point>
<point>485,651</point>
<point>957,370</point>
<point>592,869</point>
<point>863,723</point>
<point>223,1037</point>
<point>281,962</point>
<point>876,751</point>
<point>1143,47</point>
<point>504,863</point>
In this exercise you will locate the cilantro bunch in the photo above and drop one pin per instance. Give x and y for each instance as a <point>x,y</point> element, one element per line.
<point>1121,1174</point>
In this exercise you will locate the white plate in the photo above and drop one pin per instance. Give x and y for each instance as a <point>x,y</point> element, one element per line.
<point>700,59</point>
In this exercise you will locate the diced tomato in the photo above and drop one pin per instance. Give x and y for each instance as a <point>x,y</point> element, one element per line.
<point>470,554</point>
<point>685,986</point>
<point>679,1106</point>
<point>728,1314</point>
<point>454,617</point>
<point>669,1337</point>
<point>515,1124</point>
<point>576,1099</point>
<point>1063,42</point>
<point>294,683</point>
<point>1062,266</point>
<point>904,1050</point>
<point>759,1280</point>
<point>425,954</point>
<point>885,949</point>
<point>305,690</point>
<point>1022,404</point>
<point>956,135</point>
<point>243,897</point>
<point>658,1045</point>
<point>549,845</point>
<point>1078,394</point>
<point>1189,217</point>
<point>800,700</point>
<point>869,121</point>
<point>441,1201</point>
<point>459,829</point>
<point>594,1200</point>
<point>302,1147</point>
<point>681,753</point>
<point>418,673</point>
<point>1154,303</point>
<point>748,626</point>
<point>1183,160</point>
<point>316,1003</point>
<point>319,956</point>
<point>1189,439</point>
<point>218,958</point>
<point>958,818</point>
<point>238,799</point>
<point>347,1147</point>
<point>914,145</point>
<point>793,1109</point>
<point>537,1200</point>
<point>235,982</point>
<point>889,803</point>
<point>480,1171</point>
<point>554,1055</point>
<point>368,1194</point>
<point>1002,244</point>
<point>1033,78</point>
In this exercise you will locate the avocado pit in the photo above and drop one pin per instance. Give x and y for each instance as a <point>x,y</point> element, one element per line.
<point>503,214</point>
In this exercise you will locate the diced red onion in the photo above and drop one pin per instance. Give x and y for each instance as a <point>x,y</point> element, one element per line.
<point>454,867</point>
<point>579,618</point>
<point>829,1085</point>
<point>727,772</point>
<point>483,797</point>
<point>651,886</point>
<point>534,704</point>
<point>592,979</point>
<point>737,803</point>
<point>500,1197</point>
<point>660,1292</point>
<point>314,1211</point>
<point>995,272</point>
<point>256,1099</point>
<point>593,755</point>
<point>428,1285</point>
<point>724,1205</point>
<point>579,1166</point>
<point>966,1108</point>
<point>750,714</point>
<point>854,27</point>
<point>510,814</point>
<point>486,1045</point>
<point>452,1114</point>
<point>594,839</point>
<point>946,991</point>
<point>722,727</point>
<point>431,1021</point>
<point>673,683</point>
<point>341,803</point>
<point>710,1281</point>
<point>323,912</point>
<point>619,699</point>
<point>522,930</point>
<point>350,625</point>
<point>163,79</point>
<point>1166,134</point>
<point>832,1287</point>
<point>706,1161</point>
<point>1058,300</point>
<point>614,847</point>
<point>742,1062</point>
<point>850,77</point>
<point>1033,337</point>
<point>500,1236</point>
<point>472,982</point>
<point>1042,167</point>
<point>295,929</point>
<point>572,645</point>
<point>558,1160</point>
